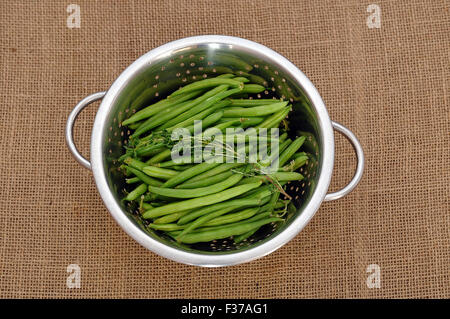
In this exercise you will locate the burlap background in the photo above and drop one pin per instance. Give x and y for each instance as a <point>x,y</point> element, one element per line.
<point>389,85</point>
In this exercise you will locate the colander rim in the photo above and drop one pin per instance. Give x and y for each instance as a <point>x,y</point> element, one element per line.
<point>229,258</point>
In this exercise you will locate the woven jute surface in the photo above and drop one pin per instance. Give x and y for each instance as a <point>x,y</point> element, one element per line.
<point>390,85</point>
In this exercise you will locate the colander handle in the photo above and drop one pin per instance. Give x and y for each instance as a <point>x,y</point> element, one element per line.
<point>359,168</point>
<point>71,121</point>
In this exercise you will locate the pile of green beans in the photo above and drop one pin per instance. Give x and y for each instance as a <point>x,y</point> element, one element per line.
<point>201,201</point>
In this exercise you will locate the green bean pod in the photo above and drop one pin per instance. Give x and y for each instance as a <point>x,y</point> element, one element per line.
<point>291,149</point>
<point>274,119</point>
<point>207,83</point>
<point>162,117</point>
<point>226,76</point>
<point>213,105</point>
<point>252,88</point>
<point>197,192</point>
<point>143,177</point>
<point>295,164</point>
<point>212,97</point>
<point>244,236</point>
<point>189,173</point>
<point>132,180</point>
<point>208,121</point>
<point>277,176</point>
<point>254,111</point>
<point>165,227</point>
<point>200,201</point>
<point>231,203</point>
<point>226,232</point>
<point>223,125</point>
<point>241,79</point>
<point>233,217</point>
<point>157,107</point>
<point>170,218</point>
<point>206,181</point>
<point>147,150</point>
<point>202,220</point>
<point>135,193</point>
<point>162,173</point>
<point>216,169</point>
<point>252,102</point>
<point>159,157</point>
<point>134,163</point>
<point>258,216</point>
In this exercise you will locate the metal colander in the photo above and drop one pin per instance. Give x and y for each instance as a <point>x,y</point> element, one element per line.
<point>165,69</point>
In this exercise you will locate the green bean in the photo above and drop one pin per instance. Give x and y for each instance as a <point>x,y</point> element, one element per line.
<point>156,150</point>
<point>208,99</point>
<point>200,201</point>
<point>143,177</point>
<point>295,163</point>
<point>135,193</point>
<point>158,106</point>
<point>277,176</point>
<point>181,167</point>
<point>244,236</point>
<point>218,168</point>
<point>274,119</point>
<point>170,164</point>
<point>165,227</point>
<point>261,192</point>
<point>231,218</point>
<point>189,173</point>
<point>148,149</point>
<point>206,181</point>
<point>274,155</point>
<point>226,76</point>
<point>252,88</point>
<point>137,164</point>
<point>207,83</point>
<point>223,125</point>
<point>170,218</point>
<point>197,192</point>
<point>162,117</point>
<point>281,204</point>
<point>273,200</point>
<point>299,154</point>
<point>159,157</point>
<point>202,220</point>
<point>189,123</point>
<point>283,137</point>
<point>252,102</point>
<point>261,215</point>
<point>211,104</point>
<point>134,126</point>
<point>158,172</point>
<point>243,202</point>
<point>291,149</point>
<point>241,79</point>
<point>226,232</point>
<point>256,217</point>
<point>207,121</point>
<point>146,206</point>
<point>244,121</point>
<point>251,121</point>
<point>254,111</point>
<point>132,180</point>
<point>232,61</point>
